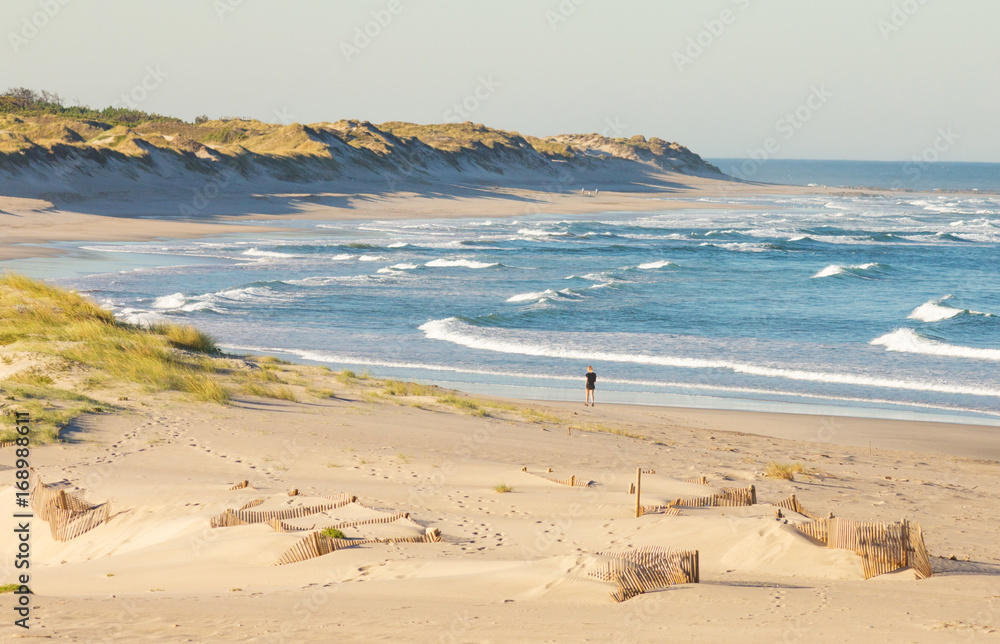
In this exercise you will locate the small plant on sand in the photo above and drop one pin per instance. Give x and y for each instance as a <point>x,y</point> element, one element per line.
<point>784,471</point>
<point>333,533</point>
<point>468,405</point>
<point>321,393</point>
<point>272,360</point>
<point>346,376</point>
<point>502,488</point>
<point>405,458</point>
<point>608,429</point>
<point>397,388</point>
<point>8,588</point>
<point>535,416</point>
<point>32,376</point>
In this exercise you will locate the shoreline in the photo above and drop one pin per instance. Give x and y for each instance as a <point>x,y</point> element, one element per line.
<point>29,223</point>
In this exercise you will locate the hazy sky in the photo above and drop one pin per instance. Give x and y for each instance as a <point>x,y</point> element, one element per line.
<point>860,79</point>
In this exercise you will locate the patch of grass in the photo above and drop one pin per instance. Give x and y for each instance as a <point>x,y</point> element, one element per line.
<point>608,429</point>
<point>272,360</point>
<point>397,388</point>
<point>404,457</point>
<point>9,588</point>
<point>783,471</point>
<point>321,393</point>
<point>346,376</point>
<point>32,376</point>
<point>186,337</point>
<point>50,410</point>
<point>502,488</point>
<point>44,319</point>
<point>205,389</point>
<point>535,416</point>
<point>333,533</point>
<point>472,406</point>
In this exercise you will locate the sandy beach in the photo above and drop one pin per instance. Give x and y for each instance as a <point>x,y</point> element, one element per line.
<point>513,565</point>
<point>31,222</point>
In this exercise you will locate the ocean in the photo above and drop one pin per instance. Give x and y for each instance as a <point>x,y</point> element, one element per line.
<point>884,307</point>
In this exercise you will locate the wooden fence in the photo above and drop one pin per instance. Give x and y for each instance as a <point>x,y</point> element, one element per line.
<point>646,569</point>
<point>730,497</point>
<point>883,547</point>
<point>231,518</point>
<point>698,480</point>
<point>68,515</point>
<point>317,545</point>
<point>572,481</point>
<point>792,503</point>
<point>10,443</point>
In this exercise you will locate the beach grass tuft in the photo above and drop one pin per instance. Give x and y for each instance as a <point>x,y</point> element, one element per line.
<point>785,471</point>
<point>333,533</point>
<point>502,488</point>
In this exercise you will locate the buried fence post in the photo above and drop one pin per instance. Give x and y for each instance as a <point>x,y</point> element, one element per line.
<point>638,493</point>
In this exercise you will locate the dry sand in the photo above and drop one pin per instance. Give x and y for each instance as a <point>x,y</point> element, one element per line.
<point>512,566</point>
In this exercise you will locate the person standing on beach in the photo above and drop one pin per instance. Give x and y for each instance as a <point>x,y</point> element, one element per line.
<point>591,386</point>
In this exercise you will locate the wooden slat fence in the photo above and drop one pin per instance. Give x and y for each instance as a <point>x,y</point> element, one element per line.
<point>730,497</point>
<point>883,547</point>
<point>646,569</point>
<point>698,480</point>
<point>67,514</point>
<point>572,481</point>
<point>281,526</point>
<point>317,545</point>
<point>245,517</point>
<point>793,504</point>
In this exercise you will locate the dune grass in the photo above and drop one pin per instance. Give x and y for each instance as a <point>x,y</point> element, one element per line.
<point>49,408</point>
<point>785,471</point>
<point>39,318</point>
<point>502,488</point>
<point>535,416</point>
<point>608,429</point>
<point>398,388</point>
<point>333,533</point>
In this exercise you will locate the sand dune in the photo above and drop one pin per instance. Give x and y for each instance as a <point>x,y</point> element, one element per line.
<point>513,565</point>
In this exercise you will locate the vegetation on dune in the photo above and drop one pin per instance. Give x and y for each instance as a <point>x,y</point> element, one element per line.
<point>785,471</point>
<point>333,533</point>
<point>40,319</point>
<point>37,125</point>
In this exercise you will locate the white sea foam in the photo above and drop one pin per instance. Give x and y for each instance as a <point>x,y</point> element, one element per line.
<point>397,267</point>
<point>255,252</point>
<point>342,257</point>
<point>909,341</point>
<point>371,258</point>
<point>659,264</point>
<point>547,294</point>
<point>840,269</point>
<point>398,245</point>
<point>173,301</point>
<point>534,232</point>
<point>461,333</point>
<point>464,263</point>
<point>933,312</point>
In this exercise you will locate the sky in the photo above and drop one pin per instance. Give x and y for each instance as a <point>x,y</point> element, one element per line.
<point>852,79</point>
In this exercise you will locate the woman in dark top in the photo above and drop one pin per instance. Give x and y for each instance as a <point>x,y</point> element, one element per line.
<point>591,385</point>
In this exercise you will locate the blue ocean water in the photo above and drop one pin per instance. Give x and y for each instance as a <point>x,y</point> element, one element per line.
<point>916,174</point>
<point>885,304</point>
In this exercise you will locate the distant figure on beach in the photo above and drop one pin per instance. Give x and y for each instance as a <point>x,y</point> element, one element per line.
<point>591,385</point>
